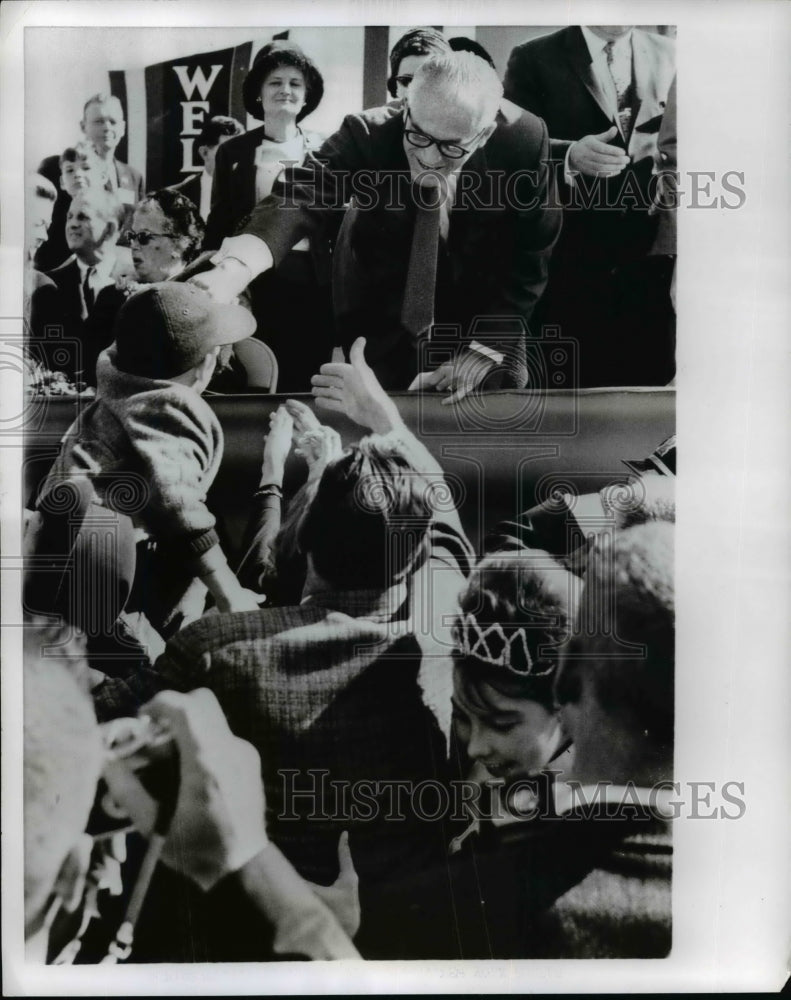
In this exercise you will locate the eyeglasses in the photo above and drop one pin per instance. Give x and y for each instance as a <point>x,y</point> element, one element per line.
<point>451,150</point>
<point>144,238</point>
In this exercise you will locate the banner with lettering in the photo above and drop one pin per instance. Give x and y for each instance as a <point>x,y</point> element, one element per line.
<point>180,94</point>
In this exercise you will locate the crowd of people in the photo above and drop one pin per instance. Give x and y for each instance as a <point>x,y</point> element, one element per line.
<point>361,738</point>
<point>495,209</point>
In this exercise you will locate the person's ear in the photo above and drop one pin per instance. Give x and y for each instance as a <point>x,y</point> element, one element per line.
<point>82,126</point>
<point>121,130</point>
<point>202,152</point>
<point>205,369</point>
<point>62,185</point>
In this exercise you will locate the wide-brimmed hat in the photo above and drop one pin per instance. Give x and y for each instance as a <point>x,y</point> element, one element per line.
<point>281,53</point>
<point>169,327</point>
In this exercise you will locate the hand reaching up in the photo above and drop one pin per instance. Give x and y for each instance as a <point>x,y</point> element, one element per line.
<point>353,389</point>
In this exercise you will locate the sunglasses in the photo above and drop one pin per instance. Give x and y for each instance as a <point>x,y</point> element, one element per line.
<point>144,238</point>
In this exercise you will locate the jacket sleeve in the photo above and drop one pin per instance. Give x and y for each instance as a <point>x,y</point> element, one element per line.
<point>178,449</point>
<point>310,200</point>
<point>220,221</point>
<point>536,219</point>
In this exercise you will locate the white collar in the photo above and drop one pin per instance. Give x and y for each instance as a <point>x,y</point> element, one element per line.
<point>597,45</point>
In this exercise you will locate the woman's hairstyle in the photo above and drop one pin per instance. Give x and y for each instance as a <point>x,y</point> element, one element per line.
<point>183,217</point>
<point>417,42</point>
<point>463,44</point>
<point>281,53</point>
<point>515,613</point>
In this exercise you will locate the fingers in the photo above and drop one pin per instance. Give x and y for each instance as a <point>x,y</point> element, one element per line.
<point>464,390</point>
<point>346,868</point>
<point>326,396</point>
<point>357,353</point>
<point>327,380</point>
<point>611,132</point>
<point>189,717</point>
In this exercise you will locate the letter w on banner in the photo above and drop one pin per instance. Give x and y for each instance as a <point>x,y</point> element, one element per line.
<point>170,102</point>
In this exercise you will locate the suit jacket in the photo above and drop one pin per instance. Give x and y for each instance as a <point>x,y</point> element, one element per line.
<point>667,164</point>
<point>233,186</point>
<point>498,244</point>
<point>552,77</point>
<point>85,339</point>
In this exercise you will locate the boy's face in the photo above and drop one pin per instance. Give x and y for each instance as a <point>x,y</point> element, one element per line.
<point>77,175</point>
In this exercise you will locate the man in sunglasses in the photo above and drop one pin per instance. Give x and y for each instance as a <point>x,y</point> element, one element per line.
<point>441,246</point>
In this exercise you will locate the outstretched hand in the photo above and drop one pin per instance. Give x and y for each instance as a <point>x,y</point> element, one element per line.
<point>354,389</point>
<point>593,155</point>
<point>460,377</point>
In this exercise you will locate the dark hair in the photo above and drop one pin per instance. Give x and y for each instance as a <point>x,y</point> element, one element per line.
<point>417,42</point>
<point>215,128</point>
<point>282,53</point>
<point>183,216</point>
<point>635,578</point>
<point>40,186</point>
<point>367,525</point>
<point>525,594</point>
<point>463,44</point>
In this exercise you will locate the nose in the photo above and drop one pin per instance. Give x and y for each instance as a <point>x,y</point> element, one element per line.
<point>432,156</point>
<point>479,746</point>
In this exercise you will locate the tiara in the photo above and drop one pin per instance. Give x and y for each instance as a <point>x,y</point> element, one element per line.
<point>493,646</point>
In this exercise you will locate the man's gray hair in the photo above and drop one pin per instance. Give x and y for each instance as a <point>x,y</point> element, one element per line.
<point>471,78</point>
<point>108,204</point>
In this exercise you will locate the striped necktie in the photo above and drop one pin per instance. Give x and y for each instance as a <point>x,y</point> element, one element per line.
<point>619,64</point>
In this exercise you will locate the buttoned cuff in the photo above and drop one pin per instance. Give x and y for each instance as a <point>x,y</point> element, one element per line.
<point>568,173</point>
<point>487,352</point>
<point>249,249</point>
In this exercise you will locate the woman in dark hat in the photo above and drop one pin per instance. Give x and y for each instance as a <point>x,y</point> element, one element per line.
<point>293,312</point>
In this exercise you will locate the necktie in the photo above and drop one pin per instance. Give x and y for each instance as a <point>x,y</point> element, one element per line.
<point>87,292</point>
<point>619,64</point>
<point>417,310</point>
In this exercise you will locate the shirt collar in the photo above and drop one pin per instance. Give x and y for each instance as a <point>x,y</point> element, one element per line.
<point>597,45</point>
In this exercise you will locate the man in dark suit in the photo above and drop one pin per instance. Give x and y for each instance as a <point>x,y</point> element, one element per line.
<point>92,229</point>
<point>602,91</point>
<point>197,187</point>
<point>436,236</point>
<point>103,126</point>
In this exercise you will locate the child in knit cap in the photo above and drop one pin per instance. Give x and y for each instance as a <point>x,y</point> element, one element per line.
<point>148,449</point>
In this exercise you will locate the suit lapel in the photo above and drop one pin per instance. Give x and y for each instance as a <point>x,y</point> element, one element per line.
<point>579,58</point>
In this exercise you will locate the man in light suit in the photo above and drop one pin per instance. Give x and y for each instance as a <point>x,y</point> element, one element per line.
<point>602,91</point>
<point>456,137</point>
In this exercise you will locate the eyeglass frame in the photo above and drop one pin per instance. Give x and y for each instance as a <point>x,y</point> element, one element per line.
<point>441,144</point>
<point>134,237</point>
